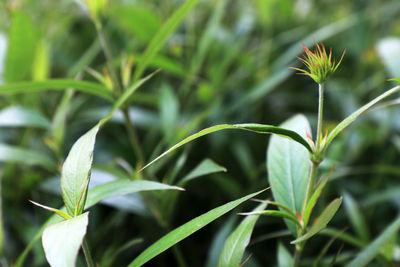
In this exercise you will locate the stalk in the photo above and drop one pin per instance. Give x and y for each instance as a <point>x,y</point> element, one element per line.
<point>320,113</point>
<point>297,255</point>
<point>88,255</point>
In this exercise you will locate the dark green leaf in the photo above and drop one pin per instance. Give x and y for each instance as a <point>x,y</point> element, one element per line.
<point>321,222</point>
<point>356,217</point>
<point>237,242</point>
<point>186,230</point>
<point>253,127</point>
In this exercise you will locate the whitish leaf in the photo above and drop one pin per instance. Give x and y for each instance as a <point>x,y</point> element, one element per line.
<point>21,47</point>
<point>374,248</point>
<point>75,172</point>
<point>56,84</point>
<point>22,117</point>
<point>284,257</point>
<point>162,35</point>
<point>61,241</point>
<point>205,167</point>
<point>346,122</point>
<point>25,157</point>
<point>321,222</point>
<point>253,127</point>
<point>288,167</point>
<point>186,230</point>
<point>237,242</point>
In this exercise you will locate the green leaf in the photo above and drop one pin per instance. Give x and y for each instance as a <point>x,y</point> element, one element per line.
<point>123,187</point>
<point>374,248</point>
<point>321,221</point>
<point>41,62</point>
<point>56,84</point>
<point>169,112</point>
<point>284,257</point>
<point>25,157</point>
<point>313,200</point>
<point>21,47</point>
<point>397,80</point>
<point>346,122</point>
<point>60,213</point>
<point>22,117</point>
<point>61,241</point>
<point>96,195</point>
<point>237,242</point>
<point>205,167</point>
<point>253,127</point>
<point>288,167</point>
<point>75,172</point>
<point>128,92</point>
<point>162,35</point>
<point>187,229</point>
<point>275,213</point>
<point>356,217</point>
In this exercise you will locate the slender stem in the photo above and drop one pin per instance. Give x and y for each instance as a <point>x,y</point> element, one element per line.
<point>88,255</point>
<point>297,254</point>
<point>310,184</point>
<point>133,138</point>
<point>320,113</point>
<point>108,55</point>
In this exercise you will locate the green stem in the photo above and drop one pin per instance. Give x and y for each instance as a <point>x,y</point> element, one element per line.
<point>88,255</point>
<point>297,254</point>
<point>320,113</point>
<point>133,138</point>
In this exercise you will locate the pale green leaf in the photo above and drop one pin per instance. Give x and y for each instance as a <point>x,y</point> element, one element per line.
<point>25,157</point>
<point>205,167</point>
<point>186,230</point>
<point>56,84</point>
<point>374,248</point>
<point>162,35</point>
<point>288,167</point>
<point>253,127</point>
<point>284,257</point>
<point>313,200</point>
<point>60,213</point>
<point>346,122</point>
<point>22,117</point>
<point>235,245</point>
<point>321,222</point>
<point>75,172</point>
<point>21,47</point>
<point>62,241</point>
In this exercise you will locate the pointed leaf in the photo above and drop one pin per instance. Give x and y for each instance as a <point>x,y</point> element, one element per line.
<point>75,172</point>
<point>346,122</point>
<point>60,213</point>
<point>321,221</point>
<point>22,117</point>
<point>253,127</point>
<point>275,213</point>
<point>313,200</point>
<point>284,257</point>
<point>56,84</point>
<point>288,167</point>
<point>237,242</point>
<point>205,167</point>
<point>61,241</point>
<point>162,35</point>
<point>186,230</point>
<point>374,248</point>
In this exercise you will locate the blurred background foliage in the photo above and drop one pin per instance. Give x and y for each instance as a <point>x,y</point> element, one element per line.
<point>226,63</point>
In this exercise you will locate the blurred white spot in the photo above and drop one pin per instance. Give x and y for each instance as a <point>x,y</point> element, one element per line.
<point>3,50</point>
<point>389,51</point>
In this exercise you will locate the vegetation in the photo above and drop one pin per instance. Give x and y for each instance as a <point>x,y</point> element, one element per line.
<point>103,106</point>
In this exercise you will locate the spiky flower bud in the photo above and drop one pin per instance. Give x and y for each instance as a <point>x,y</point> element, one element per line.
<point>320,65</point>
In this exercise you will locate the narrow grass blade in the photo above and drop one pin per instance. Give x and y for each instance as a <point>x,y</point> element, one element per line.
<point>374,248</point>
<point>56,84</point>
<point>275,213</point>
<point>321,221</point>
<point>235,245</point>
<point>162,35</point>
<point>356,217</point>
<point>346,122</point>
<point>253,127</point>
<point>186,230</point>
<point>205,167</point>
